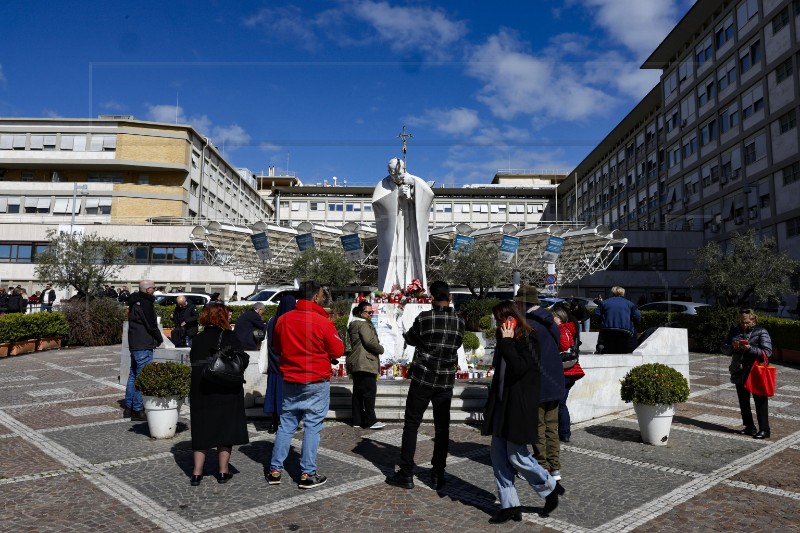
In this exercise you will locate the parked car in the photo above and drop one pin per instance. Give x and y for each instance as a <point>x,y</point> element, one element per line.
<point>168,298</point>
<point>588,303</point>
<point>267,296</point>
<point>687,308</point>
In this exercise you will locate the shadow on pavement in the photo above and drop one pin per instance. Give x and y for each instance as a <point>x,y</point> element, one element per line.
<point>621,434</point>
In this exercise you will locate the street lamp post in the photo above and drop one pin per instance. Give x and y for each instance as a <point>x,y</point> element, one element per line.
<point>84,189</point>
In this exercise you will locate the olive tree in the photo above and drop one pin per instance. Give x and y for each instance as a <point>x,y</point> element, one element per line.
<point>747,270</point>
<point>327,266</point>
<point>477,267</point>
<point>80,261</point>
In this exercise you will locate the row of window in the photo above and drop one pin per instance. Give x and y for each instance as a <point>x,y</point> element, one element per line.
<point>437,207</point>
<point>91,142</point>
<point>147,254</point>
<point>61,206</point>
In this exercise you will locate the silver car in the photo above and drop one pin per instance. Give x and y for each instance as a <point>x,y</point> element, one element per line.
<point>687,308</point>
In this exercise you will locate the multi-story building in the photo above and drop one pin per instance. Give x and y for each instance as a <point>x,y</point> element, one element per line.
<point>143,182</point>
<point>713,148</point>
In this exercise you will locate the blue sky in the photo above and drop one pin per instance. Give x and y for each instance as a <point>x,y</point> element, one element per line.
<point>328,85</point>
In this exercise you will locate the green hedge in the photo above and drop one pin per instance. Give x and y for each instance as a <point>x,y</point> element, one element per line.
<point>18,327</point>
<point>784,332</point>
<point>471,341</point>
<point>473,310</point>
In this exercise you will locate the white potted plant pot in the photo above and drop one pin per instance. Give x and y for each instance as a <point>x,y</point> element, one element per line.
<point>655,422</point>
<point>162,415</point>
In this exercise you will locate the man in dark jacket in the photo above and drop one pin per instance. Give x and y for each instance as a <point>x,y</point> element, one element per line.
<point>185,317</point>
<point>551,390</point>
<point>48,298</point>
<point>143,337</point>
<point>14,304</point>
<point>247,323</point>
<point>618,320</point>
<point>436,335</point>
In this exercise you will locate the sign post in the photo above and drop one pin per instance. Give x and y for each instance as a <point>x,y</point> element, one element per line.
<point>508,247</point>
<point>552,249</point>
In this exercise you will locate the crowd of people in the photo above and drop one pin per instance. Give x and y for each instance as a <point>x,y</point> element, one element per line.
<point>535,366</point>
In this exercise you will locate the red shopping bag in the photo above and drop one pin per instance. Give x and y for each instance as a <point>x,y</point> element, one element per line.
<point>761,379</point>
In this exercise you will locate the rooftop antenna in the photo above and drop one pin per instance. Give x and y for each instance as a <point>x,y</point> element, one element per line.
<point>404,136</point>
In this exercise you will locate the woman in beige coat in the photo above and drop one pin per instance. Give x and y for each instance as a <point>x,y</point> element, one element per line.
<point>363,363</point>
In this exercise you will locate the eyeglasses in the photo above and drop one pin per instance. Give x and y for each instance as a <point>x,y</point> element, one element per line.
<point>369,312</point>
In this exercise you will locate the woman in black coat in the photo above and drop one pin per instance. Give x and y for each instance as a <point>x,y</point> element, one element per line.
<point>511,414</point>
<point>217,411</point>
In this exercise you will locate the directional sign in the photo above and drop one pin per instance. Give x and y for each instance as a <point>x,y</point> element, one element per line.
<point>261,244</point>
<point>352,247</point>
<point>462,243</point>
<point>305,241</point>
<point>508,247</point>
<point>553,248</point>
<point>550,279</point>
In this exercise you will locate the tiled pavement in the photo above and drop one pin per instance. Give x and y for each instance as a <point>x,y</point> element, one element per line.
<point>69,463</point>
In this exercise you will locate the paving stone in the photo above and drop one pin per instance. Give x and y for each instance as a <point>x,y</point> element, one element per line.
<point>52,414</point>
<point>728,509</point>
<point>65,504</point>
<point>781,471</point>
<point>20,458</point>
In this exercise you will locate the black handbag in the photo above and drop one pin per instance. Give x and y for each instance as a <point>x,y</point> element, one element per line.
<point>225,365</point>
<point>178,336</point>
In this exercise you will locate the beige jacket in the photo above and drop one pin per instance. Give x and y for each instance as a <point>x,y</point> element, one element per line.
<point>366,347</point>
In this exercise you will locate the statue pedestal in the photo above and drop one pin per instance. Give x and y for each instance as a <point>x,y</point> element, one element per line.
<point>391,321</point>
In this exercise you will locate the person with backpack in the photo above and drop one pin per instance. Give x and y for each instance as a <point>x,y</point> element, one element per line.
<point>569,343</point>
<point>124,295</point>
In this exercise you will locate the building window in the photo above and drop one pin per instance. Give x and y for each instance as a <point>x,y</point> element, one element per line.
<point>670,83</point>
<point>674,155</point>
<point>745,11</point>
<point>705,52</point>
<point>37,205</point>
<point>783,71</point>
<point>336,206</point>
<point>685,68</point>
<point>750,56</point>
<point>753,102</point>
<point>780,20</point>
<point>706,92</point>
<point>689,147</point>
<point>16,253</point>
<point>788,121</point>
<point>672,119</point>
<point>729,118</point>
<point>791,173</point>
<point>167,255</point>
<point>755,149</point>
<point>793,227</point>
<point>724,32</point>
<point>708,133</point>
<point>726,75</point>
<point>37,142</point>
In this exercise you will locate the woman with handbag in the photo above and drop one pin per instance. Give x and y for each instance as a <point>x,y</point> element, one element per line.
<point>745,344</point>
<point>511,414</point>
<point>217,406</point>
<point>568,346</point>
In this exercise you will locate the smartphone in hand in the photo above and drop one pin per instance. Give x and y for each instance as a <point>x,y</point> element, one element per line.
<point>511,322</point>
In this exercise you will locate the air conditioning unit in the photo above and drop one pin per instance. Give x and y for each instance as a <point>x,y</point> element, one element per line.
<point>714,228</point>
<point>738,221</point>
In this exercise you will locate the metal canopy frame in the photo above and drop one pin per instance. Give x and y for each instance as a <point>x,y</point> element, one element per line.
<point>586,250</point>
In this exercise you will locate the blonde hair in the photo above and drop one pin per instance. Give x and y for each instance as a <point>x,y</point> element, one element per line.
<point>748,313</point>
<point>561,314</point>
<point>618,291</point>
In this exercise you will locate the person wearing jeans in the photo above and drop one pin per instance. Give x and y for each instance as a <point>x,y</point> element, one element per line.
<point>436,335</point>
<point>307,343</point>
<point>143,337</point>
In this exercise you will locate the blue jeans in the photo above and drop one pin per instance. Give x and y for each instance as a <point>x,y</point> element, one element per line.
<point>564,423</point>
<point>508,458</point>
<point>133,398</point>
<point>309,402</point>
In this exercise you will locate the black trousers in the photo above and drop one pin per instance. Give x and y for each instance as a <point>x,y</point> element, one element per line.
<point>761,408</point>
<point>417,402</point>
<point>365,389</point>
<point>615,341</point>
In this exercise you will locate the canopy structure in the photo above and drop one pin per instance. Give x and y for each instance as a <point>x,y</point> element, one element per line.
<point>586,250</point>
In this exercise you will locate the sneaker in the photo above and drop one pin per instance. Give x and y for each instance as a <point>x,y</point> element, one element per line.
<point>310,481</point>
<point>556,474</point>
<point>377,425</point>
<point>274,477</point>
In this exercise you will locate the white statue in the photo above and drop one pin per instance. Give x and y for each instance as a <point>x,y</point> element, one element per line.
<point>401,204</point>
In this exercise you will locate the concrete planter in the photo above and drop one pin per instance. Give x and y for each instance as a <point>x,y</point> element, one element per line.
<point>162,415</point>
<point>22,347</point>
<point>787,356</point>
<point>655,421</point>
<point>51,343</point>
<point>4,349</point>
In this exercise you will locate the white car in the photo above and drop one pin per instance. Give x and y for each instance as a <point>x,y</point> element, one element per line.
<point>267,296</point>
<point>168,298</point>
<point>687,308</point>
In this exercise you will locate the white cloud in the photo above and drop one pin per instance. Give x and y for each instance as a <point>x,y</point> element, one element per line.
<point>517,82</point>
<point>230,136</point>
<point>639,26</point>
<point>457,121</point>
<point>286,23</point>
<point>471,164</point>
<point>408,29</point>
<point>50,113</point>
<point>113,105</point>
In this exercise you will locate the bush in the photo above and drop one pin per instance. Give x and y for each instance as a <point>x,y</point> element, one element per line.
<point>473,310</point>
<point>654,384</point>
<point>341,327</point>
<point>17,327</point>
<point>471,341</point>
<point>98,323</point>
<point>164,379</point>
<point>711,325</point>
<point>485,323</point>
<point>341,307</point>
<point>784,332</point>
<point>50,325</point>
<point>165,312</point>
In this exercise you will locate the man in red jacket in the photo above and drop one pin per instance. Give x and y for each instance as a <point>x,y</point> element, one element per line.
<point>307,341</point>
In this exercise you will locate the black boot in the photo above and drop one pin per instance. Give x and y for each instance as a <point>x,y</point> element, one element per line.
<point>509,513</point>
<point>551,501</point>
<point>138,416</point>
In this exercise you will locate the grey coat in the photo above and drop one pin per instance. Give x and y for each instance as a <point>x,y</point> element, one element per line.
<point>366,347</point>
<point>742,360</point>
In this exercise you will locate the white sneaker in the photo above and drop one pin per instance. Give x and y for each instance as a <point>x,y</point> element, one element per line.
<point>377,425</point>
<point>556,474</point>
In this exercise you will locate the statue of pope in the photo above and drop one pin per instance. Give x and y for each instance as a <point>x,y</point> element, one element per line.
<point>401,204</point>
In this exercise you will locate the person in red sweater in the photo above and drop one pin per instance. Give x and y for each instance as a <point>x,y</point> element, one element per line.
<point>307,341</point>
<point>569,332</point>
